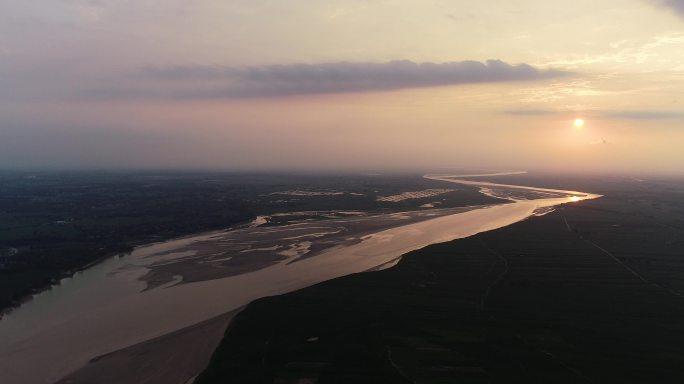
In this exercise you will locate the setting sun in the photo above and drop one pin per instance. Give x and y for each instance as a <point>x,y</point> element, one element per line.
<point>579,123</point>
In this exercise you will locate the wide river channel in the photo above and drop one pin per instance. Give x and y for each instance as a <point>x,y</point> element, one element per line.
<point>110,306</point>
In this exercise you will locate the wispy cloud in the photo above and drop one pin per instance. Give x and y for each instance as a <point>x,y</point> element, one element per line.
<point>643,115</point>
<point>600,141</point>
<point>616,115</point>
<point>531,112</point>
<point>326,78</point>
<point>628,52</point>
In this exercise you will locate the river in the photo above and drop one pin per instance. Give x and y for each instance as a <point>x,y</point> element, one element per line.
<point>107,307</point>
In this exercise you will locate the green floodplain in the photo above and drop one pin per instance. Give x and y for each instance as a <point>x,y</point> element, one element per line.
<point>591,293</point>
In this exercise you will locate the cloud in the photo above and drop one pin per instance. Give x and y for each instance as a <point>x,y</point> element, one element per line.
<point>326,78</point>
<point>616,115</point>
<point>676,5</point>
<point>531,112</point>
<point>600,141</point>
<point>643,115</point>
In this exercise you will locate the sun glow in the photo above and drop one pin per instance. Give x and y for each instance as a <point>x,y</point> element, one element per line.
<point>579,123</point>
<point>574,198</point>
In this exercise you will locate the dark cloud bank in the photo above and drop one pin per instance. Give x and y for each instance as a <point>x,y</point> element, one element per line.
<point>676,5</point>
<point>343,77</point>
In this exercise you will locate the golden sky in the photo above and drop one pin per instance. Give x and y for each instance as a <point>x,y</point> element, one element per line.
<point>374,84</point>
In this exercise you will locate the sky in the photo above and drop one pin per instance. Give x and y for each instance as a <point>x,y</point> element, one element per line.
<point>342,85</point>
